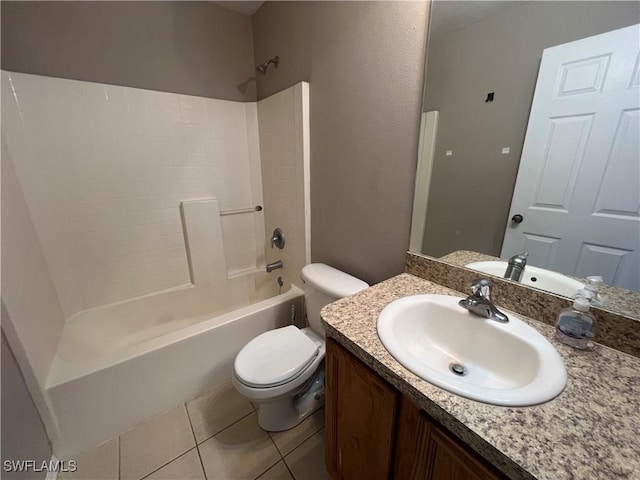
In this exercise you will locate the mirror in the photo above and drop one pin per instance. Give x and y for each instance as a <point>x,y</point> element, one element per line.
<point>483,60</point>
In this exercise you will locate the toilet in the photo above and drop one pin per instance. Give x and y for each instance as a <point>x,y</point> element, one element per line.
<point>282,371</point>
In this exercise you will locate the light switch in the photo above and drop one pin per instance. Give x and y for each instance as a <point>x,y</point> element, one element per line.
<point>448,153</point>
<point>505,150</point>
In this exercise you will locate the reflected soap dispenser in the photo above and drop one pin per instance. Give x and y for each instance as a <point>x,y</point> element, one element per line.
<point>576,325</point>
<point>590,291</point>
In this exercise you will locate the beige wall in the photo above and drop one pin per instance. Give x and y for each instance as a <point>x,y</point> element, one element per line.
<point>195,48</point>
<point>23,435</point>
<point>364,62</point>
<point>471,190</point>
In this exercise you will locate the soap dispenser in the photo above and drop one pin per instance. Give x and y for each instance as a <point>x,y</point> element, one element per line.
<point>576,325</point>
<point>590,291</point>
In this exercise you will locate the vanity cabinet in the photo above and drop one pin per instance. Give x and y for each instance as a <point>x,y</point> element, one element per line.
<point>373,432</point>
<point>360,418</point>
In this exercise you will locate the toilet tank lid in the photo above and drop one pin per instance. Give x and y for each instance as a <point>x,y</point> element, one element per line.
<point>331,281</point>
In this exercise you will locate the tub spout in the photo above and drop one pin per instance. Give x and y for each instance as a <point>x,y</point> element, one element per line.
<point>274,266</point>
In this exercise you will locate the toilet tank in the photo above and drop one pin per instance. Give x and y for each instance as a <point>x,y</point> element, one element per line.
<point>323,285</point>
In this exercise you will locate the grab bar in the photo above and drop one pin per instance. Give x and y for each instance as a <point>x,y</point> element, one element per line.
<point>257,208</point>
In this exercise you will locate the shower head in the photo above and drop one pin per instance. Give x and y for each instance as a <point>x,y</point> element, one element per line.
<point>262,68</point>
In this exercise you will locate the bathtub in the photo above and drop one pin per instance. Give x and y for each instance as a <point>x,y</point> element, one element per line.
<point>120,364</point>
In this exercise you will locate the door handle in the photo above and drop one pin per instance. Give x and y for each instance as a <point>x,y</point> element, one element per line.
<point>517,218</point>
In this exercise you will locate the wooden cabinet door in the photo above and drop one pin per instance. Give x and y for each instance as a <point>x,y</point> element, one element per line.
<point>425,451</point>
<point>413,457</point>
<point>451,461</point>
<point>360,418</point>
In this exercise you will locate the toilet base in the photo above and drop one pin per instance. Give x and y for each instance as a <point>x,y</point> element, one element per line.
<point>281,416</point>
<point>288,412</point>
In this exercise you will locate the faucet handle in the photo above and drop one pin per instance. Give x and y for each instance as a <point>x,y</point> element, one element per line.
<point>277,238</point>
<point>481,288</point>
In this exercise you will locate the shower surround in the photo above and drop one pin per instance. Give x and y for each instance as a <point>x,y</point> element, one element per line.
<point>123,189</point>
<point>103,169</point>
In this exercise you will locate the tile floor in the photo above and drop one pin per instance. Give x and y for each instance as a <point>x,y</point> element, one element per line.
<point>214,437</point>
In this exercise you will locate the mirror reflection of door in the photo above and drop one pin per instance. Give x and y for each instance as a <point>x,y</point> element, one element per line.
<point>578,184</point>
<point>480,47</point>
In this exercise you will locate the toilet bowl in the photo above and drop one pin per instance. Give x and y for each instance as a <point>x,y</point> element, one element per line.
<point>282,371</point>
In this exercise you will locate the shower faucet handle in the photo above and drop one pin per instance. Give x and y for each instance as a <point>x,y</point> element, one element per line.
<point>277,238</point>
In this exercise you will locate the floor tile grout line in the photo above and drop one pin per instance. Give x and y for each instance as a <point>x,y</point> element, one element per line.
<point>304,441</point>
<point>286,465</point>
<point>195,445</point>
<point>297,444</point>
<point>193,433</point>
<point>301,441</point>
<point>282,456</point>
<point>284,461</point>
<point>267,469</point>
<point>171,461</point>
<point>195,440</point>
<point>225,428</point>
<point>204,472</point>
<point>275,445</point>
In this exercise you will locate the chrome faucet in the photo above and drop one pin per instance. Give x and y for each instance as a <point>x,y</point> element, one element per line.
<point>515,269</point>
<point>274,266</point>
<point>479,302</point>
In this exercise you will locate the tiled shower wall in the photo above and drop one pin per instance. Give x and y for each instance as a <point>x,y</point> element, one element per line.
<point>104,168</point>
<point>284,152</point>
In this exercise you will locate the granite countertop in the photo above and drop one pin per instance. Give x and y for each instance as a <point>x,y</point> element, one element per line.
<point>590,431</point>
<point>615,299</point>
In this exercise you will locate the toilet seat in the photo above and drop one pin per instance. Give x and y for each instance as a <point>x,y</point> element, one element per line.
<point>275,357</point>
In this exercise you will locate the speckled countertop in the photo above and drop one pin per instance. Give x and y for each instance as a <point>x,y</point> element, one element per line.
<point>590,431</point>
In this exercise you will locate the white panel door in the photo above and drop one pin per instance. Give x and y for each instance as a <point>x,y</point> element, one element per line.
<point>578,185</point>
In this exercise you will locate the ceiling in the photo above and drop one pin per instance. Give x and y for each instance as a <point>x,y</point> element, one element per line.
<point>449,15</point>
<point>241,6</point>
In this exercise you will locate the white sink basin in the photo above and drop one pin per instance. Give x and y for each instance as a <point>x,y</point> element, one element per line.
<point>507,364</point>
<point>534,277</point>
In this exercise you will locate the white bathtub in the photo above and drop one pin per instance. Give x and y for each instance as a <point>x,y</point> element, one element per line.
<point>118,365</point>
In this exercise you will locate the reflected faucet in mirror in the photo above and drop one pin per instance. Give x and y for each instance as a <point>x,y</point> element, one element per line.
<point>610,298</point>
<point>516,265</point>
